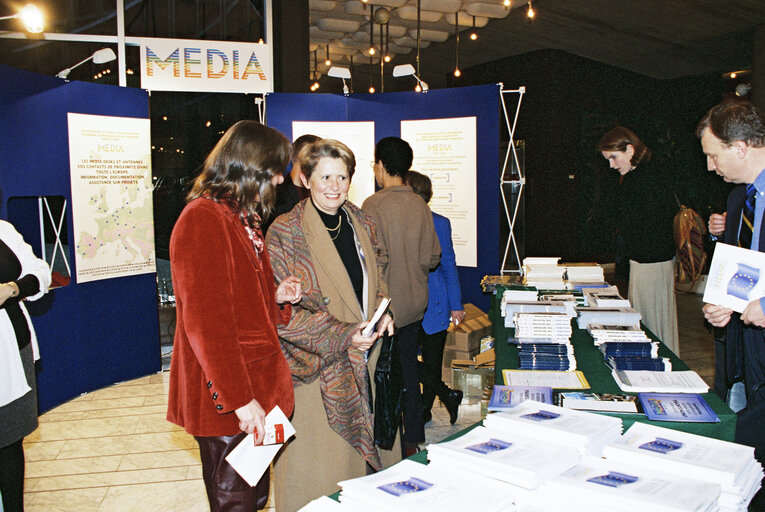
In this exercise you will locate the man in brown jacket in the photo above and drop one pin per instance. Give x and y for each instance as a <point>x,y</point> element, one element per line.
<point>405,229</point>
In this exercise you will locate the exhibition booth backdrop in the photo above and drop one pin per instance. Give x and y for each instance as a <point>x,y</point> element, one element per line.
<point>455,137</point>
<point>95,333</point>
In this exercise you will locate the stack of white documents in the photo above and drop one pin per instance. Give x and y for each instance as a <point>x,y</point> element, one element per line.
<point>498,454</point>
<point>413,487</point>
<point>585,431</point>
<point>730,465</point>
<point>511,309</point>
<point>584,273</point>
<point>608,316</point>
<point>598,485</point>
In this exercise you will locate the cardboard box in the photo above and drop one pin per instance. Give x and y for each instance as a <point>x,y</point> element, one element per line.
<point>467,335</point>
<point>486,357</point>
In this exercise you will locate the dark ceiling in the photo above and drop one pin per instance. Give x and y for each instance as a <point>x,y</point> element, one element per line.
<point>659,38</point>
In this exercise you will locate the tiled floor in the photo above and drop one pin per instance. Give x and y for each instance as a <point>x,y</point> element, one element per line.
<point>112,449</point>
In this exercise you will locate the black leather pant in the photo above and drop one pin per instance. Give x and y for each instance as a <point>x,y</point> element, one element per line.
<point>226,490</point>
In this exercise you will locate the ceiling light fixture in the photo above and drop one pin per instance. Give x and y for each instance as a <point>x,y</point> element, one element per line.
<point>387,41</point>
<point>101,56</point>
<point>338,72</point>
<point>474,34</point>
<point>328,62</point>
<point>531,13</point>
<point>506,4</point>
<point>30,16</point>
<point>407,70</point>
<point>457,71</point>
<point>371,30</point>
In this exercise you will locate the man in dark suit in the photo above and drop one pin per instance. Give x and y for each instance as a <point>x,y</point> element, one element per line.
<point>733,139</point>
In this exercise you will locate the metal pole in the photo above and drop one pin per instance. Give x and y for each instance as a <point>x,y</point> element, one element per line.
<point>121,54</point>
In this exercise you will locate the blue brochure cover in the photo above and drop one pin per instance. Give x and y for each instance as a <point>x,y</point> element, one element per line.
<point>504,397</point>
<point>684,407</point>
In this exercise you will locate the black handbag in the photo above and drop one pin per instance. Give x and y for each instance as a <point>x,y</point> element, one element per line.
<point>389,389</point>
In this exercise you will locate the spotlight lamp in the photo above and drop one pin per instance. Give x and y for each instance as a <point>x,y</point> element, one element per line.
<point>371,89</point>
<point>101,56</point>
<point>457,72</point>
<point>30,16</point>
<point>328,62</point>
<point>344,73</point>
<point>407,70</point>
<point>531,12</point>
<point>473,34</point>
<point>506,4</point>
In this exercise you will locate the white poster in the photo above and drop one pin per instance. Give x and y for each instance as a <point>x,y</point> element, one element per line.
<point>110,167</point>
<point>360,137</point>
<point>205,66</point>
<point>445,151</point>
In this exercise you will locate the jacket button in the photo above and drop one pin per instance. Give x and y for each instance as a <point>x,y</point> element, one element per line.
<point>215,396</point>
<point>325,301</point>
<point>209,384</point>
<point>219,407</point>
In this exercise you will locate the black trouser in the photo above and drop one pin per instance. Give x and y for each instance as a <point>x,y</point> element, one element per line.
<point>12,476</point>
<point>432,350</point>
<point>408,347</point>
<point>226,490</point>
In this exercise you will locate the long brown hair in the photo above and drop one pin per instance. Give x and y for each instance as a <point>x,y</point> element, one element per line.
<point>239,169</point>
<point>618,138</point>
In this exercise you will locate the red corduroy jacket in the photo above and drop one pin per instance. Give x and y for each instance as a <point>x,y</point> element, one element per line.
<point>226,349</point>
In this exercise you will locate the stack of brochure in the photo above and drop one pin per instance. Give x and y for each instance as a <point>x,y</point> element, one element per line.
<point>730,465</point>
<point>605,298</point>
<point>546,356</point>
<point>597,485</point>
<point>637,381</point>
<point>584,273</point>
<point>655,364</point>
<point>505,397</point>
<point>505,456</point>
<point>629,349</point>
<point>543,325</point>
<point>602,333</point>
<point>609,316</point>
<point>574,296</point>
<point>413,487</point>
<point>543,273</point>
<point>512,309</point>
<point>588,432</point>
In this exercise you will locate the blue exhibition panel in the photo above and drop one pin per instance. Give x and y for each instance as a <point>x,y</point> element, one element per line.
<point>96,333</point>
<point>387,110</point>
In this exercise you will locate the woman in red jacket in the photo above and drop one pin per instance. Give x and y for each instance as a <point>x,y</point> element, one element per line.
<point>227,369</point>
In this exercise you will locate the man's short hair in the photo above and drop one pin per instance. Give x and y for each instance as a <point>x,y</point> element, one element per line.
<point>420,185</point>
<point>395,154</point>
<point>300,142</point>
<point>734,120</point>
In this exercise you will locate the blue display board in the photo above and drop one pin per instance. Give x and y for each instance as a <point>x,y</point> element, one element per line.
<point>387,110</point>
<point>97,333</point>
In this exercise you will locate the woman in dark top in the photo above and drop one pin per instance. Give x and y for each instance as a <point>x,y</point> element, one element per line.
<point>646,210</point>
<point>23,276</point>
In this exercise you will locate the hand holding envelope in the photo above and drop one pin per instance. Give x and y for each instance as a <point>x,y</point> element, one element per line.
<point>252,461</point>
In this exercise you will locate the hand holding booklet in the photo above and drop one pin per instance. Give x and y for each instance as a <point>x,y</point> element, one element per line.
<point>736,277</point>
<point>381,309</point>
<point>252,461</point>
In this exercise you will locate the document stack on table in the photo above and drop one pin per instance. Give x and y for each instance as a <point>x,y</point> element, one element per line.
<point>413,487</point>
<point>730,465</point>
<point>544,341</point>
<point>638,381</point>
<point>628,348</point>
<point>544,273</point>
<point>624,316</point>
<point>505,456</point>
<point>598,485</point>
<point>584,273</point>
<point>587,432</point>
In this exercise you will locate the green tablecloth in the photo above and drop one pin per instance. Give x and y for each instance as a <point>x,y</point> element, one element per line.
<point>590,361</point>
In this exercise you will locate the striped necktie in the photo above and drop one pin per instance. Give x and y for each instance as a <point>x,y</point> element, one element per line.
<point>747,219</point>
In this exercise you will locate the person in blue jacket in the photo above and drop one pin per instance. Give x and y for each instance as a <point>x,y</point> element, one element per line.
<point>444,305</point>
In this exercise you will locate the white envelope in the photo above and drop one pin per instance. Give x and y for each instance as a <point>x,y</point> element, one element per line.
<point>252,461</point>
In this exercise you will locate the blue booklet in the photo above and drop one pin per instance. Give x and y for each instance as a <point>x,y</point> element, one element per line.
<point>683,407</point>
<point>505,397</point>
